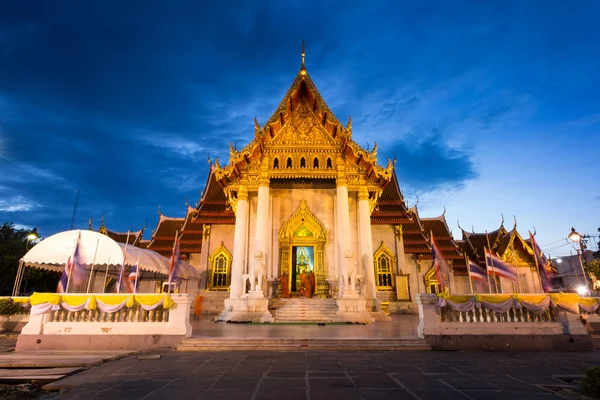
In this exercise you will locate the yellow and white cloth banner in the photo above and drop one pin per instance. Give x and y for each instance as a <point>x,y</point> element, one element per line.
<point>44,302</point>
<point>502,303</point>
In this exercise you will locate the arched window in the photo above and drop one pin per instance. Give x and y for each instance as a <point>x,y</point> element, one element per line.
<point>289,163</point>
<point>220,273</point>
<point>316,163</point>
<point>329,163</point>
<point>276,163</point>
<point>384,260</point>
<point>302,163</point>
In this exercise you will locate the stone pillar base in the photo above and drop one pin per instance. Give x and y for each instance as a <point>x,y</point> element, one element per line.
<point>246,310</point>
<point>351,308</point>
<point>374,308</point>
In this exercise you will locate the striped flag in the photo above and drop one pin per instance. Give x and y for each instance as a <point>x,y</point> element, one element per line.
<point>133,281</point>
<point>476,272</point>
<point>440,265</point>
<point>174,261</point>
<point>499,267</point>
<point>543,265</point>
<point>73,272</point>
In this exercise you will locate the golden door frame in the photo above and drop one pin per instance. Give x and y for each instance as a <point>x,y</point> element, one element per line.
<point>303,229</point>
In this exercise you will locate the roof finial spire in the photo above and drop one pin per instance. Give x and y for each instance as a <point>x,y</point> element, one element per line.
<point>303,67</point>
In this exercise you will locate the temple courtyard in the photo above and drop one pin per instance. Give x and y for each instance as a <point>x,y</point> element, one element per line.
<point>253,375</point>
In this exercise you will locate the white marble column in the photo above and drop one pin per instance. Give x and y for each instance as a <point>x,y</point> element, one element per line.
<point>366,243</point>
<point>239,243</point>
<point>343,222</point>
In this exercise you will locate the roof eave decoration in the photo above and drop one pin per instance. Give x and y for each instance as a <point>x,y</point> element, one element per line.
<point>303,96</point>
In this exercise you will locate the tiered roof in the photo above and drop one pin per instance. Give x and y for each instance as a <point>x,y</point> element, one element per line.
<point>415,239</point>
<point>391,207</point>
<point>214,207</point>
<point>442,235</point>
<point>132,238</point>
<point>163,236</point>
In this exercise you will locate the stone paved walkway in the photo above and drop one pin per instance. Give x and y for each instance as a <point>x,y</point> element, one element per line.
<point>329,375</point>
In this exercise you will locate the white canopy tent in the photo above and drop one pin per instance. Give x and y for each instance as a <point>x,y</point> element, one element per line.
<point>98,251</point>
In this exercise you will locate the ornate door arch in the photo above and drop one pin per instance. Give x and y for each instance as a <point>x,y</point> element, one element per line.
<point>303,229</point>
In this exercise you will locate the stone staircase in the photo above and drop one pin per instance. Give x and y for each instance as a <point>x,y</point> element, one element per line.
<point>303,310</point>
<point>317,344</point>
<point>213,303</point>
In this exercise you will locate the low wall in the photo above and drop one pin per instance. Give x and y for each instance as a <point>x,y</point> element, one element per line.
<point>505,325</point>
<point>105,322</point>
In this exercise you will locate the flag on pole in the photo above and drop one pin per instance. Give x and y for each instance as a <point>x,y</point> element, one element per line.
<point>132,279</point>
<point>543,265</point>
<point>73,272</point>
<point>174,261</point>
<point>440,265</point>
<point>475,271</point>
<point>499,267</point>
<point>64,278</point>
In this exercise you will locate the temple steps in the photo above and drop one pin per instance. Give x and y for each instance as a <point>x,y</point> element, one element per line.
<point>317,344</point>
<point>303,310</point>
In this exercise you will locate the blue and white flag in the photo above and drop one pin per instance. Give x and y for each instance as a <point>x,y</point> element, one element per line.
<point>496,266</point>
<point>476,272</point>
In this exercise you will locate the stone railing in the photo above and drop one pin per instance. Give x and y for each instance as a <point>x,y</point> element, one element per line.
<point>499,316</point>
<point>133,314</point>
<point>483,315</point>
<point>125,321</point>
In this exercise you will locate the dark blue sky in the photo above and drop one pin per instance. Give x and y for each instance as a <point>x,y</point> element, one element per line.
<point>489,106</point>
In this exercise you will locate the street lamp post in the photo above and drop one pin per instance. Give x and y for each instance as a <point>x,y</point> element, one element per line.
<point>575,237</point>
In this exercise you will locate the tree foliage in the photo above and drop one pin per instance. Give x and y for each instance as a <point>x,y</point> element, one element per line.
<point>14,243</point>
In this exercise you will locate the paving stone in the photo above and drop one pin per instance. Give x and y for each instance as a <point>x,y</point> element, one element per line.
<point>440,395</point>
<point>330,383</point>
<point>487,394</point>
<point>237,394</point>
<point>338,393</point>
<point>174,394</point>
<point>142,384</point>
<point>190,383</point>
<point>276,383</point>
<point>225,383</point>
<point>327,374</point>
<point>375,382</point>
<point>469,384</point>
<point>384,394</point>
<point>278,394</point>
<point>290,374</point>
<point>123,394</point>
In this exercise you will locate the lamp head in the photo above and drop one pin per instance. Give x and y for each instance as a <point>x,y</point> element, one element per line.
<point>574,236</point>
<point>33,235</point>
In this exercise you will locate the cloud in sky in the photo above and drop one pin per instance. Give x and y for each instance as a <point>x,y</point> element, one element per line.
<point>124,101</point>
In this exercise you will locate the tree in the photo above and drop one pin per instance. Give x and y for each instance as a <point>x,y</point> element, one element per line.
<point>14,243</point>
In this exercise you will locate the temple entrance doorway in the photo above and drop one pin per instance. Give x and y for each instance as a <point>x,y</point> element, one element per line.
<point>303,266</point>
<point>302,241</point>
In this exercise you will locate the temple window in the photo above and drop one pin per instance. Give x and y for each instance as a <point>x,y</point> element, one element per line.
<point>316,163</point>
<point>289,163</point>
<point>302,163</point>
<point>329,163</point>
<point>276,163</point>
<point>220,274</point>
<point>383,260</point>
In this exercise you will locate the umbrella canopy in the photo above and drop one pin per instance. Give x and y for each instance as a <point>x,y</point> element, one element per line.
<point>99,250</point>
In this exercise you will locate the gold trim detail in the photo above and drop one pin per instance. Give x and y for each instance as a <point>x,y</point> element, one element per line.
<point>224,277</point>
<point>384,274</point>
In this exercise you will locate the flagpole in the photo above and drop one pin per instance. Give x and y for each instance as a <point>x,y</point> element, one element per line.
<point>92,269</point>
<point>120,280</point>
<point>173,261</point>
<point>491,262</point>
<point>72,263</point>
<point>469,272</point>
<point>106,275</point>
<point>137,273</point>
<point>535,257</point>
<point>512,247</point>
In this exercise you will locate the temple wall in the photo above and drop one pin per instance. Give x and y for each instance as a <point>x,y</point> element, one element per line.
<point>283,204</point>
<point>460,284</point>
<point>218,234</point>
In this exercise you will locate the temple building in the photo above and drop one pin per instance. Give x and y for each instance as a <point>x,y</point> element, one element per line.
<point>304,212</point>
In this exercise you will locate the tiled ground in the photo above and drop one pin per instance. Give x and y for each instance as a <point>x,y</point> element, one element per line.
<point>330,375</point>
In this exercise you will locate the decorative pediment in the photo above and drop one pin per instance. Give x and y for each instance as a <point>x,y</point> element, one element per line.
<point>303,223</point>
<point>303,128</point>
